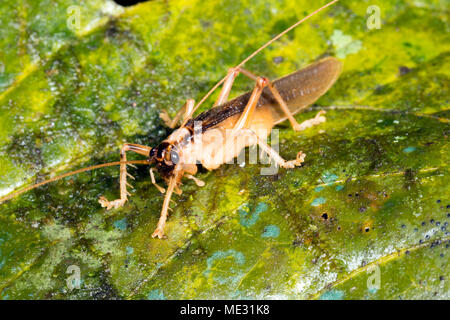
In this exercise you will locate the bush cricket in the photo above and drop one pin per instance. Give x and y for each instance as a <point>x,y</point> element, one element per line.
<point>243,121</point>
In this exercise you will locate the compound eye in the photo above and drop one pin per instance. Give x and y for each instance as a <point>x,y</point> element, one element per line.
<point>174,157</point>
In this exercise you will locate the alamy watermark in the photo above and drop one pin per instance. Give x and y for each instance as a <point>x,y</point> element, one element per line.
<point>74,18</point>
<point>374,278</point>
<point>374,19</point>
<point>74,280</point>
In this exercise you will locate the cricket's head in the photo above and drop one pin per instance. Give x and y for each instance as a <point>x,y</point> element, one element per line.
<point>165,157</point>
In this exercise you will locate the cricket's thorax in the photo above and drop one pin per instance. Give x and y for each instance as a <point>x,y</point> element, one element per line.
<point>217,144</point>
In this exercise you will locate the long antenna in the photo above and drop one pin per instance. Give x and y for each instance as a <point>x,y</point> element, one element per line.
<point>116,163</point>
<point>257,51</point>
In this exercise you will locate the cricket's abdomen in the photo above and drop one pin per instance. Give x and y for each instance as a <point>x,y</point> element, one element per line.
<point>219,147</point>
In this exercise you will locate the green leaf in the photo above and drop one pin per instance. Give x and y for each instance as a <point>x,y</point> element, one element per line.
<point>366,217</point>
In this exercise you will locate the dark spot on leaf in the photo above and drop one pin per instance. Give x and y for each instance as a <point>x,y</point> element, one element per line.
<point>205,24</point>
<point>278,60</point>
<point>297,242</point>
<point>403,70</point>
<point>410,178</point>
<point>105,291</point>
<point>381,90</point>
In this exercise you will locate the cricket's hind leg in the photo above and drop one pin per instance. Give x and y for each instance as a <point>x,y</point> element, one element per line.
<point>242,128</point>
<point>319,118</point>
<point>288,164</point>
<point>144,150</point>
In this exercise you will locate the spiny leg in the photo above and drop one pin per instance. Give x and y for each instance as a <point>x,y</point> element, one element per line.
<point>159,231</point>
<point>186,110</point>
<point>295,125</point>
<point>172,187</point>
<point>274,155</point>
<point>246,116</point>
<point>226,88</point>
<point>144,150</point>
<point>319,118</point>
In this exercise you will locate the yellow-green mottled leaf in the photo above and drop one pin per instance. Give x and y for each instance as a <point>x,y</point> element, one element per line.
<point>365,217</point>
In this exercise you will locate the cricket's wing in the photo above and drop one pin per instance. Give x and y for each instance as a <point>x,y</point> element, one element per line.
<point>299,90</point>
<point>303,87</point>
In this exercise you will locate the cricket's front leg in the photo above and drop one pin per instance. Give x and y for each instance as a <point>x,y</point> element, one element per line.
<point>152,177</point>
<point>144,150</point>
<point>186,110</point>
<point>159,231</point>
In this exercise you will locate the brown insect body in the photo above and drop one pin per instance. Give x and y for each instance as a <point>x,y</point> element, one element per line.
<point>298,90</point>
